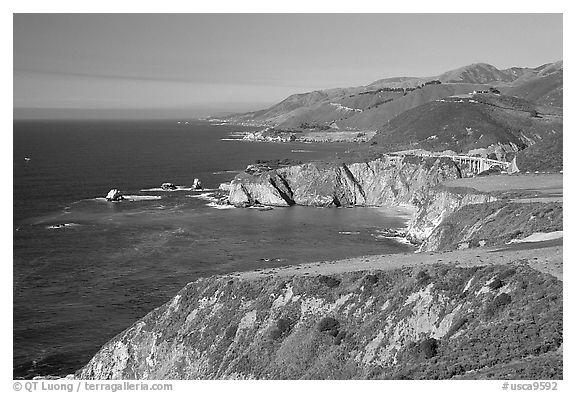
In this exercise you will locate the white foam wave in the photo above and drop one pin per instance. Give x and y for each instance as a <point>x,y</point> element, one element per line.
<point>227,171</point>
<point>206,196</point>
<point>203,189</point>
<point>399,239</point>
<point>215,205</point>
<point>349,232</point>
<point>135,198</point>
<point>402,240</point>
<point>159,189</point>
<point>61,226</point>
<point>129,198</point>
<point>261,208</point>
<point>178,188</point>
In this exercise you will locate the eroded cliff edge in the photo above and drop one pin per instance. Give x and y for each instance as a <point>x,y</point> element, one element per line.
<point>417,321</point>
<point>438,321</point>
<point>385,181</point>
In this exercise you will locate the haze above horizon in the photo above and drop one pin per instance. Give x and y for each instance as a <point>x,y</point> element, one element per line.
<point>199,64</point>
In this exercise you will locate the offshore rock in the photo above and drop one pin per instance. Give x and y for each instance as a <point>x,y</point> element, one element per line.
<point>114,195</point>
<point>168,186</point>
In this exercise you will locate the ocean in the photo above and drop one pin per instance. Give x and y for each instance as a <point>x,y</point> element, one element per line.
<point>86,269</point>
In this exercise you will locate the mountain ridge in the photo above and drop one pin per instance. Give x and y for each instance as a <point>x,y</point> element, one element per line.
<point>368,107</point>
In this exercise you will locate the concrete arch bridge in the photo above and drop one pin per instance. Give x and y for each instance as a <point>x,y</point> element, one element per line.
<point>473,164</point>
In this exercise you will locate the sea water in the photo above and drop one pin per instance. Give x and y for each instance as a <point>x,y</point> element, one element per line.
<point>85,269</point>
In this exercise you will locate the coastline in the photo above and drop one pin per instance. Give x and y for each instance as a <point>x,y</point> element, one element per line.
<point>330,289</point>
<point>129,266</point>
<point>245,325</point>
<point>307,183</point>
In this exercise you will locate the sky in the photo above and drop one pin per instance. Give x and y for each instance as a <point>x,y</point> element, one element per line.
<point>201,64</point>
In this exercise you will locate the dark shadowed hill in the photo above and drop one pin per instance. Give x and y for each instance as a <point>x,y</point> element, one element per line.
<point>466,123</point>
<point>373,117</point>
<point>545,155</point>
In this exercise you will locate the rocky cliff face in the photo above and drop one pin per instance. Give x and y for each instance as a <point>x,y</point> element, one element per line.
<point>429,322</point>
<point>440,203</point>
<point>381,182</point>
<point>386,181</point>
<point>492,224</point>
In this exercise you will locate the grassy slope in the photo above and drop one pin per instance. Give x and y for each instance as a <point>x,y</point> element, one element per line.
<point>502,183</point>
<point>377,106</point>
<point>376,117</point>
<point>543,86</point>
<point>461,126</point>
<point>496,223</point>
<point>351,325</point>
<point>546,155</point>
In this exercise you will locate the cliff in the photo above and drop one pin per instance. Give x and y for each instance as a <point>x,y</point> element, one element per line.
<point>494,223</point>
<point>440,203</point>
<point>406,318</point>
<point>433,322</point>
<point>385,181</point>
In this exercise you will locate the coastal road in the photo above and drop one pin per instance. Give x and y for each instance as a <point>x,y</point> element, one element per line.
<point>545,256</point>
<point>545,187</point>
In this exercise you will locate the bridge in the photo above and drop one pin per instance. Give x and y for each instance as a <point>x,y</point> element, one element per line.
<point>473,164</point>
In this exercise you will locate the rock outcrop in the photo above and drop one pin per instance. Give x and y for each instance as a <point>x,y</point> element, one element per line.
<point>385,181</point>
<point>432,322</point>
<point>269,135</point>
<point>168,186</point>
<point>114,195</point>
<point>197,184</point>
<point>439,204</point>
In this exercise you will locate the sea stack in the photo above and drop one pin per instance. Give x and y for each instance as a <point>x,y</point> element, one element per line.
<point>168,186</point>
<point>114,195</point>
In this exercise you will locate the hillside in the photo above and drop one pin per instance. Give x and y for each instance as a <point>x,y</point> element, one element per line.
<point>368,107</point>
<point>543,85</point>
<point>415,322</point>
<point>376,115</point>
<point>489,310</point>
<point>481,73</point>
<point>501,124</point>
<point>546,155</point>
